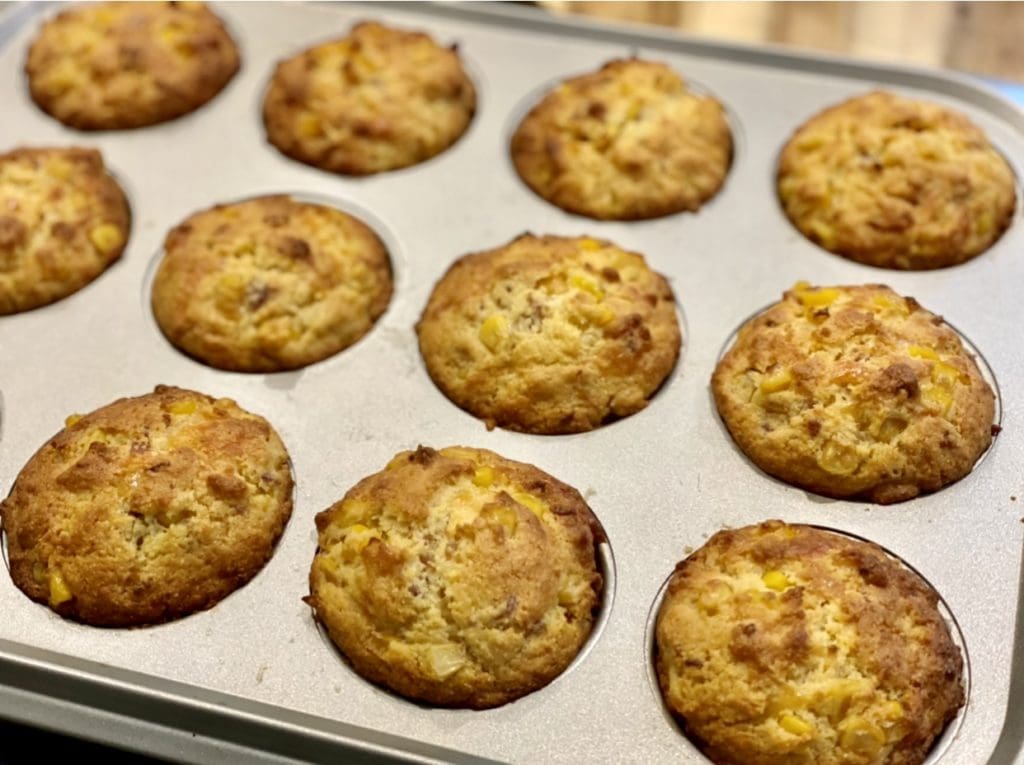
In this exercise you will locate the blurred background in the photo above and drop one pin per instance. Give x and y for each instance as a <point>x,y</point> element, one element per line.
<point>980,37</point>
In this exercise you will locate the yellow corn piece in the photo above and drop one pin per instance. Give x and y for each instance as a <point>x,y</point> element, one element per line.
<point>938,397</point>
<point>106,237</point>
<point>182,407</point>
<point>59,169</point>
<point>892,710</point>
<point>59,591</point>
<point>776,580</point>
<point>444,660</point>
<point>587,285</point>
<point>945,374</point>
<point>484,476</point>
<point>310,125</point>
<point>860,736</point>
<point>492,331</point>
<point>795,725</point>
<point>922,352</point>
<point>816,298</point>
<point>588,243</point>
<point>777,381</point>
<point>530,502</point>
<point>71,419</point>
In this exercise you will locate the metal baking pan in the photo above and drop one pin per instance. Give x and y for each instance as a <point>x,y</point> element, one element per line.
<point>253,678</point>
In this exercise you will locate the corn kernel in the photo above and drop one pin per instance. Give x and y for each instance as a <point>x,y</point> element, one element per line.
<point>817,298</point>
<point>484,476</point>
<point>492,331</point>
<point>838,459</point>
<point>530,502</point>
<point>776,580</point>
<point>886,303</point>
<point>39,572</point>
<point>106,237</point>
<point>890,428</point>
<point>310,125</point>
<point>182,407</point>
<point>940,398</point>
<point>444,660</point>
<point>359,536</point>
<point>780,380</point>
<point>634,111</point>
<point>892,710</point>
<point>59,169</point>
<point>589,286</point>
<point>945,374</point>
<point>860,736</point>
<point>59,592</point>
<point>588,243</point>
<point>983,224</point>
<point>71,419</point>
<point>796,726</point>
<point>922,352</point>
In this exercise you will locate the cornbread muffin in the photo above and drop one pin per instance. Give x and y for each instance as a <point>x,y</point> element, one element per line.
<point>896,183</point>
<point>108,66</point>
<point>550,334</point>
<point>270,284</point>
<point>377,100</point>
<point>457,577</point>
<point>854,392</point>
<point>63,220</point>
<point>787,644</point>
<point>148,509</point>
<point>626,142</point>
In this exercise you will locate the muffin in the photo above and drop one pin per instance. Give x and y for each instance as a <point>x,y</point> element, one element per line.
<point>63,220</point>
<point>628,141</point>
<point>147,509</point>
<point>854,392</point>
<point>109,66</point>
<point>379,99</point>
<point>896,183</point>
<point>550,334</point>
<point>457,577</point>
<point>783,643</point>
<point>270,284</point>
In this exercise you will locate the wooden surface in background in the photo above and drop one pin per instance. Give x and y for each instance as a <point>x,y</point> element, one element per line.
<point>980,37</point>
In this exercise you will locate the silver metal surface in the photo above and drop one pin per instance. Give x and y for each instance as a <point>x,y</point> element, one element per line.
<point>253,671</point>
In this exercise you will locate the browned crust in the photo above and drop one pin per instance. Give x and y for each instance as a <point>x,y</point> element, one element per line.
<point>51,202</point>
<point>148,509</point>
<point>270,284</point>
<point>457,577</point>
<point>379,99</point>
<point>853,646</point>
<point>875,397</point>
<point>626,142</point>
<point>896,183</point>
<point>109,66</point>
<point>585,333</point>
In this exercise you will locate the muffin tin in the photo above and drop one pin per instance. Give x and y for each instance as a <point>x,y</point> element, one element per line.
<point>253,677</point>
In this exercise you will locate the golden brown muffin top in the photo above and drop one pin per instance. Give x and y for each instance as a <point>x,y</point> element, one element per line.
<point>628,141</point>
<point>148,509</point>
<point>550,334</point>
<point>457,577</point>
<point>102,66</point>
<point>787,644</point>
<point>896,183</point>
<point>855,391</point>
<point>63,220</point>
<point>269,284</point>
<point>379,99</point>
